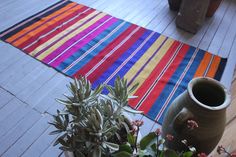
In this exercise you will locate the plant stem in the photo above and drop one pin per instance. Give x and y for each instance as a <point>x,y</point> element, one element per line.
<point>226,152</point>
<point>158,152</point>
<point>136,140</point>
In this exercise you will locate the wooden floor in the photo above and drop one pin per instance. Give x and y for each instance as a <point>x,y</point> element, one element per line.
<point>28,88</point>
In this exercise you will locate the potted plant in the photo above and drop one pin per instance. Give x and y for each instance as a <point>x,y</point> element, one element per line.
<point>92,124</point>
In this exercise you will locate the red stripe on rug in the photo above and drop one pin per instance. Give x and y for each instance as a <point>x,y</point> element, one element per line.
<point>70,42</point>
<point>85,69</point>
<point>151,78</point>
<point>148,101</point>
<point>77,42</point>
<point>44,40</point>
<point>32,18</point>
<point>50,28</point>
<point>14,39</point>
<point>160,85</point>
<point>151,98</point>
<point>115,56</point>
<point>178,83</point>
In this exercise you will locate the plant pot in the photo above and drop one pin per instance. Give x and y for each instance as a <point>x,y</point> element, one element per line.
<point>213,6</point>
<point>174,4</point>
<point>204,101</point>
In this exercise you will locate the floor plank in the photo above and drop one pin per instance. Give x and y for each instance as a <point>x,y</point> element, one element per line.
<point>28,79</point>
<point>19,148</point>
<point>19,73</point>
<point>42,143</point>
<point>5,97</point>
<point>9,107</point>
<point>13,117</point>
<point>229,38</point>
<point>10,72</point>
<point>51,151</point>
<point>35,85</point>
<point>23,127</point>
<point>228,140</point>
<point>220,34</point>
<point>10,56</point>
<point>45,89</point>
<point>226,79</point>
<point>18,131</point>
<point>56,92</point>
<point>216,20</point>
<point>22,9</point>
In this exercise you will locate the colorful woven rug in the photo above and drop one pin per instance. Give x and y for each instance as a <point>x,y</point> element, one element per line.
<point>78,40</point>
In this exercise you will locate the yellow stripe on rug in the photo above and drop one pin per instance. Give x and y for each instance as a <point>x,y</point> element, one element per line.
<point>33,26</point>
<point>152,64</point>
<point>42,27</point>
<point>58,36</point>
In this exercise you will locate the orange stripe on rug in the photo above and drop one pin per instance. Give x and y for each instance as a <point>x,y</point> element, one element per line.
<point>43,27</point>
<point>12,38</point>
<point>203,65</point>
<point>214,66</point>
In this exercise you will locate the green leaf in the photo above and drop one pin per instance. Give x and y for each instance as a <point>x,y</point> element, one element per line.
<point>111,129</point>
<point>112,146</point>
<point>154,147</point>
<point>65,148</point>
<point>122,154</point>
<point>188,154</point>
<point>130,110</point>
<point>125,125</point>
<point>170,153</point>
<point>55,132</point>
<point>126,148</point>
<point>133,88</point>
<point>80,154</point>
<point>131,139</point>
<point>97,152</point>
<point>110,89</point>
<point>162,154</point>
<point>132,97</point>
<point>62,142</point>
<point>56,142</point>
<point>146,140</point>
<point>98,90</point>
<point>160,142</point>
<point>64,102</point>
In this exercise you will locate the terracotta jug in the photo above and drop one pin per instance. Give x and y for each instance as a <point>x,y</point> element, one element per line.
<point>205,101</point>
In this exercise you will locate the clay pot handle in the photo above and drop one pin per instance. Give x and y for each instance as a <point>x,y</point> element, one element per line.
<point>181,118</point>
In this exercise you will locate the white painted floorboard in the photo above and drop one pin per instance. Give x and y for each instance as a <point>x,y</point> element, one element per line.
<point>28,88</point>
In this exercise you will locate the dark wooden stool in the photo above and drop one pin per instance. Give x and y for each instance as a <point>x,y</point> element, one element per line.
<point>192,14</point>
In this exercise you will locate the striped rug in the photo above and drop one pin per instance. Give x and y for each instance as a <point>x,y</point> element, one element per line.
<point>78,40</point>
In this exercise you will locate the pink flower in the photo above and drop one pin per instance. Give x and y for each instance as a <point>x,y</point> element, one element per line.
<point>137,123</point>
<point>133,131</point>
<point>233,155</point>
<point>220,149</point>
<point>158,132</point>
<point>169,137</point>
<point>202,155</point>
<point>191,124</point>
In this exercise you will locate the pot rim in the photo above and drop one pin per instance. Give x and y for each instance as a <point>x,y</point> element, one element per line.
<point>226,102</point>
